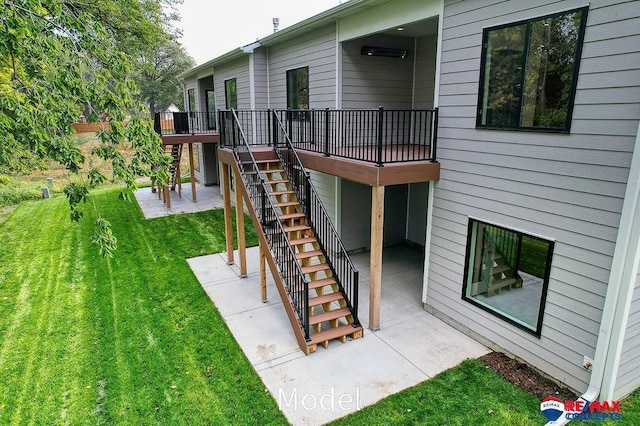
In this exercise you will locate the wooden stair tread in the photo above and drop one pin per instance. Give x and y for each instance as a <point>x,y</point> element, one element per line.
<point>326,298</point>
<point>291,216</point>
<point>501,268</point>
<point>265,171</point>
<point>275,160</point>
<point>314,268</point>
<point>301,241</point>
<point>503,282</point>
<point>276,182</point>
<point>295,228</point>
<point>333,333</point>
<point>322,282</point>
<point>329,315</point>
<point>286,204</point>
<point>283,192</point>
<point>308,254</point>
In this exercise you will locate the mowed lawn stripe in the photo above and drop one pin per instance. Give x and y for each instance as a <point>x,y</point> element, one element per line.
<point>39,335</point>
<point>128,340</point>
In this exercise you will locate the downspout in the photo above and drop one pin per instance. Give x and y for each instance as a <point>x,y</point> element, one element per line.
<point>436,94</point>
<point>615,313</point>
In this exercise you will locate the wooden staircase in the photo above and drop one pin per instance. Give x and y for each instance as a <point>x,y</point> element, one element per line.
<point>175,151</point>
<point>329,315</point>
<point>497,274</point>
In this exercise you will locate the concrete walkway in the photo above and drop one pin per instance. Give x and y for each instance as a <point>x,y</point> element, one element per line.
<point>208,198</point>
<point>411,346</point>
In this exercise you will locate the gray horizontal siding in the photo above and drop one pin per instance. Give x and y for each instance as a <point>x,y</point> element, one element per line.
<point>425,72</point>
<point>315,49</point>
<point>566,187</point>
<point>356,215</point>
<point>238,69</point>
<point>628,378</point>
<point>373,81</point>
<point>261,78</point>
<point>325,184</point>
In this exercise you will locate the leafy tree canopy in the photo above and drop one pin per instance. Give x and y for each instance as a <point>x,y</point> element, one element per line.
<point>158,68</point>
<point>59,58</point>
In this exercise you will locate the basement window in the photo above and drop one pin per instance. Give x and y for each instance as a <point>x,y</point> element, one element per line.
<point>529,73</point>
<point>507,274</point>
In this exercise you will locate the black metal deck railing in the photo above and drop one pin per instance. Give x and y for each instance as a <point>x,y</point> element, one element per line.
<point>233,135</point>
<point>184,123</point>
<point>378,136</point>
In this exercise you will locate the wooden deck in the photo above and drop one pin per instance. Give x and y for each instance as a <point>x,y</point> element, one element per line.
<point>212,137</point>
<point>369,173</point>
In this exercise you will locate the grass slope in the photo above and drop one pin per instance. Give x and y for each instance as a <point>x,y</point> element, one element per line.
<point>129,340</point>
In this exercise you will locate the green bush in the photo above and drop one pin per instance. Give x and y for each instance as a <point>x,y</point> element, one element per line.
<point>14,191</point>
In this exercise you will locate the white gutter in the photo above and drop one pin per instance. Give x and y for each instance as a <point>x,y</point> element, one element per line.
<point>615,313</point>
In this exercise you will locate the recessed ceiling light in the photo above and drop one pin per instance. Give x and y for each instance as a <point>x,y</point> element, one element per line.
<point>400,28</point>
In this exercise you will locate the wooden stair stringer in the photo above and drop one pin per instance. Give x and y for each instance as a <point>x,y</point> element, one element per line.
<point>271,261</point>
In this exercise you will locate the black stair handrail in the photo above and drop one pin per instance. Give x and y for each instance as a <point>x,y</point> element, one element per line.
<point>296,284</point>
<point>344,271</point>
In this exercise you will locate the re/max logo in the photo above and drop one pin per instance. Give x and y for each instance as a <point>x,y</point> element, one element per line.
<point>595,406</point>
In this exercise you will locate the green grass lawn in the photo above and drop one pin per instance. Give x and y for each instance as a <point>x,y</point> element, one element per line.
<point>128,340</point>
<point>135,340</point>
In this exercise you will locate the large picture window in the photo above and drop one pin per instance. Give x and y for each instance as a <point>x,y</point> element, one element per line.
<point>298,88</point>
<point>230,94</point>
<point>529,73</point>
<point>507,273</point>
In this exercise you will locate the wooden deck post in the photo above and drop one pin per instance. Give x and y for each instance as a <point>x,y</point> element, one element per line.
<point>263,274</point>
<point>228,224</point>
<point>192,173</point>
<point>377,233</point>
<point>242,243</point>
<point>167,194</point>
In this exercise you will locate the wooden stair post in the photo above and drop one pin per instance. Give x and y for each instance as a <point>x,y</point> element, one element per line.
<point>228,224</point>
<point>242,242</point>
<point>263,273</point>
<point>192,174</point>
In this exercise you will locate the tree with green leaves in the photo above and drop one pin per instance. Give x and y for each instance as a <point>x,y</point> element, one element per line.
<point>59,58</point>
<point>157,77</point>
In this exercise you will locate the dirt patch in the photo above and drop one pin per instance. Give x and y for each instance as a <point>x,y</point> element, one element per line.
<point>525,377</point>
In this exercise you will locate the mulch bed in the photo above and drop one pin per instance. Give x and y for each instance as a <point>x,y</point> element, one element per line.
<point>525,377</point>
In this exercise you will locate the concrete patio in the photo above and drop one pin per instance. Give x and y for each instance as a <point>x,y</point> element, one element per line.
<point>208,198</point>
<point>411,346</point>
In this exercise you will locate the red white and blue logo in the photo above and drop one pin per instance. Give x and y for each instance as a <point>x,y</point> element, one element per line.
<point>556,410</point>
<point>552,408</point>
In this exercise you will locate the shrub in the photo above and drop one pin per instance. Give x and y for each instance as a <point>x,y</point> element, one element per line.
<point>13,191</point>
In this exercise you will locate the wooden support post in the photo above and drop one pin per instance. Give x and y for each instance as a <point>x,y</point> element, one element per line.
<point>228,224</point>
<point>377,233</point>
<point>167,194</point>
<point>179,180</point>
<point>192,173</point>
<point>263,274</point>
<point>242,243</point>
